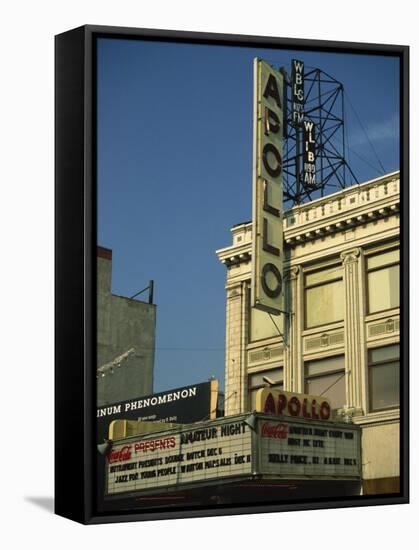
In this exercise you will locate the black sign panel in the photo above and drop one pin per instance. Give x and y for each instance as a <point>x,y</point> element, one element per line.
<point>297,92</point>
<point>309,154</point>
<point>180,405</point>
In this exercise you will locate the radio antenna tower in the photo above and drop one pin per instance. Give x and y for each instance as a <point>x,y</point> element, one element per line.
<point>314,135</point>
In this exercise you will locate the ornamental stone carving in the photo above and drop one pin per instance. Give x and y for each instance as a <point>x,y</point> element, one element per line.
<point>292,273</point>
<point>350,256</point>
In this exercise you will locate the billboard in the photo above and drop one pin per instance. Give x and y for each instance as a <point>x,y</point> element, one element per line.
<point>267,238</point>
<point>193,403</point>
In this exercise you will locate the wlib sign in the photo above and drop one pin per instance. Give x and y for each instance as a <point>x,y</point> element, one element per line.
<point>309,154</point>
<point>267,251</point>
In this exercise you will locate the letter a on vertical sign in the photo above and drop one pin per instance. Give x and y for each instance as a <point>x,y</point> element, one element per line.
<point>267,251</point>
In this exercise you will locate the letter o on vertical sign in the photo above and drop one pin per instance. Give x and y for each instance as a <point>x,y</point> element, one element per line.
<point>271,292</point>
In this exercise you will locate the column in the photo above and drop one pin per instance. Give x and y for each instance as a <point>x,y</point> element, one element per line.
<point>235,368</point>
<point>293,377</point>
<point>354,328</point>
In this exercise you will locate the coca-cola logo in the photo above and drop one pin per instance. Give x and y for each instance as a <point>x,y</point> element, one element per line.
<point>120,455</point>
<point>278,431</point>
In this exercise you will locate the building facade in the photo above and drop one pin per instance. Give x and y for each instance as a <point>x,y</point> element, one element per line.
<point>339,335</point>
<point>125,340</point>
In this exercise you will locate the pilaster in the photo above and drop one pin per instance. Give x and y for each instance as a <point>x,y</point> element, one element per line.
<point>354,328</point>
<point>293,331</point>
<point>235,368</point>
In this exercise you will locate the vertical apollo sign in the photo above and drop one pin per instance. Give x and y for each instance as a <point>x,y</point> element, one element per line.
<point>267,247</point>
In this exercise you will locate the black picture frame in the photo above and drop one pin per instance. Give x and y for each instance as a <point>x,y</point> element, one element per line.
<point>75,268</point>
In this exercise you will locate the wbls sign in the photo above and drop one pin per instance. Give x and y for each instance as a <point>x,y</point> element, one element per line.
<point>297,92</point>
<point>267,251</point>
<point>299,120</point>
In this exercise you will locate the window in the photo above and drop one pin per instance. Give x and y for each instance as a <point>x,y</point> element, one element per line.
<point>327,377</point>
<point>324,299</point>
<point>384,377</point>
<point>383,281</point>
<point>256,382</point>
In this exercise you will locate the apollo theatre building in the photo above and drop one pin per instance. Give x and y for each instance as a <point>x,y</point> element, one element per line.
<point>339,331</point>
<point>312,363</point>
<point>311,395</point>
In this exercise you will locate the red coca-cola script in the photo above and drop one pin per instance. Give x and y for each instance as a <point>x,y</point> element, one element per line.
<point>120,455</point>
<point>278,431</point>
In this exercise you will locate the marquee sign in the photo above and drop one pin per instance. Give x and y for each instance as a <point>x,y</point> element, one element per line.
<point>280,402</point>
<point>231,449</point>
<point>177,457</point>
<point>267,241</point>
<point>301,449</point>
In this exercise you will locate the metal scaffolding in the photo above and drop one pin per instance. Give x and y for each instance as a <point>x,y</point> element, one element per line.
<point>323,106</point>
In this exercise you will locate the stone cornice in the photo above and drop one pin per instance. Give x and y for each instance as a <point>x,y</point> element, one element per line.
<point>342,221</point>
<point>235,255</point>
<point>342,211</point>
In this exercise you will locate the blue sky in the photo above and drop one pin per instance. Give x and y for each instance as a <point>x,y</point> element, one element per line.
<point>175,173</point>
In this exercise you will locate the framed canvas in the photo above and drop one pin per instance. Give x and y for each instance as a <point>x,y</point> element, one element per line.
<point>231,327</point>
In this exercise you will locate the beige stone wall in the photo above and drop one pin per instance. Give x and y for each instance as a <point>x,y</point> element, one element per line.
<point>380,451</point>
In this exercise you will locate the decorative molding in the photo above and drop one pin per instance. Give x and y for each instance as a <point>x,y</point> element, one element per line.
<point>324,340</point>
<point>350,256</point>
<point>233,293</point>
<point>292,273</point>
<point>383,417</point>
<point>384,327</point>
<point>297,233</point>
<point>266,354</point>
